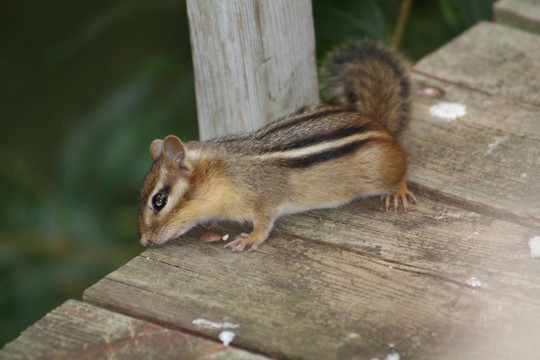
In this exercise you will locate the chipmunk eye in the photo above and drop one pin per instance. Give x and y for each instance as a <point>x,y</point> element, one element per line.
<point>159,200</point>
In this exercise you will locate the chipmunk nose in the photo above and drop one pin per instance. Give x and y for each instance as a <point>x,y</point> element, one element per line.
<point>145,241</point>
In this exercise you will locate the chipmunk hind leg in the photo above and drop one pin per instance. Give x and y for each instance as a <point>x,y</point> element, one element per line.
<point>402,194</point>
<point>387,167</point>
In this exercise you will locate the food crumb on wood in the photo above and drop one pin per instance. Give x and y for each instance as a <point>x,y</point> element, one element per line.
<point>201,323</point>
<point>534,245</point>
<point>210,237</point>
<point>492,146</point>
<point>473,281</point>
<point>448,111</point>
<point>225,237</point>
<point>430,92</point>
<point>394,355</point>
<point>226,337</point>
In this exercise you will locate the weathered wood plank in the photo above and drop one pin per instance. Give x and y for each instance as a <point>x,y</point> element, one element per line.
<point>300,299</point>
<point>253,61</point>
<point>492,58</point>
<point>489,158</point>
<point>432,238</point>
<point>77,330</point>
<point>390,278</point>
<point>520,14</point>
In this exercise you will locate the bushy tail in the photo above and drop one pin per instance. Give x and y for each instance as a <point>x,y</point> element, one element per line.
<point>370,78</point>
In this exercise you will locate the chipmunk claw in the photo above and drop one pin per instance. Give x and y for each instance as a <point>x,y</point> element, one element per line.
<point>240,243</point>
<point>401,195</point>
<point>251,241</point>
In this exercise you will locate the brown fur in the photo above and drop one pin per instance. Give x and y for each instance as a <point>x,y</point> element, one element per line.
<point>370,78</point>
<point>320,156</point>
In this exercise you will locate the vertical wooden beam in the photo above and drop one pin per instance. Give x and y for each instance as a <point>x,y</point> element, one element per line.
<point>254,61</point>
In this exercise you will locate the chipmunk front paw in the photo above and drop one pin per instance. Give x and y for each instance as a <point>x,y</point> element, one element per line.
<point>244,241</point>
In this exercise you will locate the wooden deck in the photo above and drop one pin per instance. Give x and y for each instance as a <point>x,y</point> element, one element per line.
<point>458,277</point>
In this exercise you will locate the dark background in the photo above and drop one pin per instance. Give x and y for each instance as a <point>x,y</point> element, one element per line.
<point>85,87</point>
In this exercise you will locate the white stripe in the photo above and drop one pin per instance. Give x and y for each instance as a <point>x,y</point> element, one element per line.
<point>325,146</point>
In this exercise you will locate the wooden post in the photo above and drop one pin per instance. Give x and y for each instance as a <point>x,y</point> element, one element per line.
<point>254,61</point>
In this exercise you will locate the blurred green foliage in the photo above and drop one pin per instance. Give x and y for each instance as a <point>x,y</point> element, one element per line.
<point>85,87</point>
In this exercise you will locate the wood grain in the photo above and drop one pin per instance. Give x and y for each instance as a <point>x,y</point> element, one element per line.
<point>488,159</point>
<point>77,330</point>
<point>300,299</point>
<point>361,283</point>
<point>253,60</point>
<point>491,58</point>
<point>520,14</point>
<point>433,238</point>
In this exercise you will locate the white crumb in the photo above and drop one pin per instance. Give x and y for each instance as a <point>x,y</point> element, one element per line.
<point>465,216</point>
<point>448,111</point>
<point>207,324</point>
<point>225,237</point>
<point>226,337</point>
<point>429,92</point>
<point>474,282</point>
<point>392,356</point>
<point>534,245</point>
<point>492,146</point>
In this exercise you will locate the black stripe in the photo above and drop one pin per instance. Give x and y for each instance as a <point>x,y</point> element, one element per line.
<point>314,159</point>
<point>317,139</point>
<point>269,129</point>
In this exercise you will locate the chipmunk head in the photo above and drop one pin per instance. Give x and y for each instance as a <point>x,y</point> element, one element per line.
<point>166,208</point>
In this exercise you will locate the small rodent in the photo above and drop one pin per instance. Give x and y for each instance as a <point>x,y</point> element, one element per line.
<point>319,156</point>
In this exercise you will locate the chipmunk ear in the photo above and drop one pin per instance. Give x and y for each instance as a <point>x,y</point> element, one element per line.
<point>155,149</point>
<point>173,149</point>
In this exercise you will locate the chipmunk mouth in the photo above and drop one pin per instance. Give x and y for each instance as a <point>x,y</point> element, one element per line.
<point>153,242</point>
<point>146,242</point>
<point>150,241</point>
<point>166,234</point>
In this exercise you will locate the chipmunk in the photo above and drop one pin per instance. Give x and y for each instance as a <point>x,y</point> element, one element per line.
<point>320,156</point>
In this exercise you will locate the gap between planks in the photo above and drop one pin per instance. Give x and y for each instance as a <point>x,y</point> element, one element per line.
<point>181,307</point>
